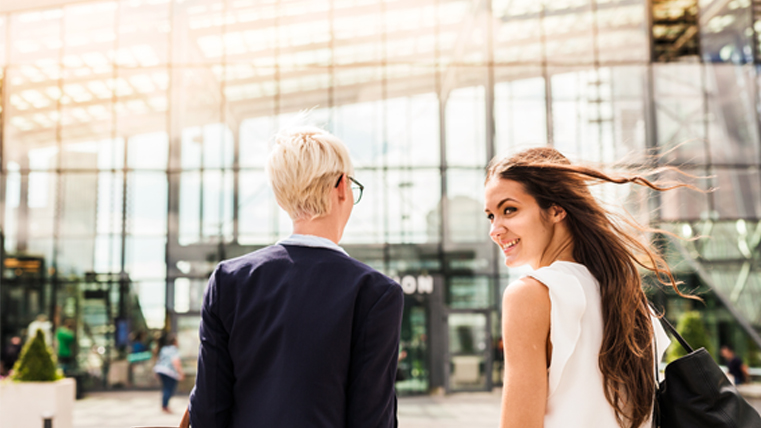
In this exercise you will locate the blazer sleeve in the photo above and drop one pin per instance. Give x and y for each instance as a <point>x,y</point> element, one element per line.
<point>211,400</point>
<point>371,399</point>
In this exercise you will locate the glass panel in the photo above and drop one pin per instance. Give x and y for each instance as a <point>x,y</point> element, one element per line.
<point>75,256</point>
<point>197,31</point>
<point>145,258</point>
<point>680,115</point>
<point>685,203</point>
<point>108,253</point>
<point>517,31</point>
<point>414,25</point>
<point>726,31</point>
<point>30,116</point>
<point>622,31</point>
<point>582,114</point>
<point>217,204</point>
<point>144,26</point>
<point>152,295</point>
<point>467,344</point>
<point>520,114</point>
<point>35,36</point>
<point>465,202</point>
<point>12,200</point>
<point>738,194</point>
<point>568,30</point>
<point>258,212</point>
<point>3,40</point>
<point>360,126</point>
<point>78,212</point>
<point>190,207</point>
<point>469,292</point>
<point>413,206</point>
<point>413,373</point>
<point>147,199</point>
<point>42,204</point>
<point>148,151</point>
<point>733,122</point>
<point>366,224</point>
<point>255,136</point>
<point>466,127</point>
<point>188,294</point>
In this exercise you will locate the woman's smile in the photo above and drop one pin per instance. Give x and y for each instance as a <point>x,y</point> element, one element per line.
<point>509,246</point>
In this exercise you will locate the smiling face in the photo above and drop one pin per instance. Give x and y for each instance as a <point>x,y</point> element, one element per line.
<point>526,233</point>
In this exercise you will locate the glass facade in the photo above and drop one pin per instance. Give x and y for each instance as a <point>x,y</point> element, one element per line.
<point>135,132</point>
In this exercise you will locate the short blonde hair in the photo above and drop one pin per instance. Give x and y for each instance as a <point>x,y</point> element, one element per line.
<point>303,168</point>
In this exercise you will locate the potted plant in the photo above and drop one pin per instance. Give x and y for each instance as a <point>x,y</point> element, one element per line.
<point>36,390</point>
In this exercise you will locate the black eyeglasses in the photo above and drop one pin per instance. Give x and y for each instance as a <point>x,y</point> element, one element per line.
<point>356,188</point>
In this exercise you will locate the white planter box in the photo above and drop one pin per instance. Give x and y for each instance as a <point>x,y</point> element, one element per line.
<point>22,404</point>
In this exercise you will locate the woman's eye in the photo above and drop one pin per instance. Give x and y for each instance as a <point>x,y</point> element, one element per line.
<point>490,216</point>
<point>509,210</point>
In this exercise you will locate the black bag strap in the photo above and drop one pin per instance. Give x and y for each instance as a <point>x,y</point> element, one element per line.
<point>670,328</point>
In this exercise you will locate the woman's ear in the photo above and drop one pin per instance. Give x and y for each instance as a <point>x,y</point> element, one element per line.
<point>557,213</point>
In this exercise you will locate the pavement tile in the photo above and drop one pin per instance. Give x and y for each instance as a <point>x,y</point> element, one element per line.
<point>126,409</point>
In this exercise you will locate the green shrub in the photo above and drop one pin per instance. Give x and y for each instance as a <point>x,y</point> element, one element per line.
<point>692,329</point>
<point>36,362</point>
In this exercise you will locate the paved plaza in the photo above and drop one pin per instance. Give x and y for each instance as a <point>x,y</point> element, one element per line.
<point>125,409</point>
<point>142,408</point>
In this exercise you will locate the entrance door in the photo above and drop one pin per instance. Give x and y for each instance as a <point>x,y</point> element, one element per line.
<point>469,351</point>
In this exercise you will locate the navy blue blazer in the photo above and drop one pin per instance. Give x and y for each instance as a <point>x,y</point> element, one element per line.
<point>296,337</point>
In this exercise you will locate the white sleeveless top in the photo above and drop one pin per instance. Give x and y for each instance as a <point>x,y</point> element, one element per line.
<point>576,397</point>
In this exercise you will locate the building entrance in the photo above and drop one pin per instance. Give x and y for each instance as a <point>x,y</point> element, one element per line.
<point>469,352</point>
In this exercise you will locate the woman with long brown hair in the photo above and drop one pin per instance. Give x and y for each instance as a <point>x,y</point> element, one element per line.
<point>578,332</point>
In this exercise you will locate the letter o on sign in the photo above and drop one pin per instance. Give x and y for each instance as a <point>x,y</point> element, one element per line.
<point>409,285</point>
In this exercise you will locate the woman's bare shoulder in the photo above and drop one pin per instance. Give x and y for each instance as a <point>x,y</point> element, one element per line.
<point>526,291</point>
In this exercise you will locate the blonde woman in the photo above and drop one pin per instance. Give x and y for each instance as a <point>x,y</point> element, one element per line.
<point>299,334</point>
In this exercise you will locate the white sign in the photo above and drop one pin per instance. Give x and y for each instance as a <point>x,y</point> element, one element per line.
<point>423,284</point>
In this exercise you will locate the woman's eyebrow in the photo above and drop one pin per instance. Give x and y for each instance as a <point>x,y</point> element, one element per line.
<point>504,201</point>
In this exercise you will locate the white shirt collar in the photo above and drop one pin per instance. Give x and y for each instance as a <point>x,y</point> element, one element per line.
<point>311,241</point>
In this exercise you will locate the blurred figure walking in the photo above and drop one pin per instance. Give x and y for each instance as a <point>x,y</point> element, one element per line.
<point>65,338</point>
<point>169,369</point>
<point>735,365</point>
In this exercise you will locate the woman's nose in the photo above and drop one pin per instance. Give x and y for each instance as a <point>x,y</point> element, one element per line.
<point>496,230</point>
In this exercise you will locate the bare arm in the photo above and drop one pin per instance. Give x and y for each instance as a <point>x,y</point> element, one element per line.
<point>178,366</point>
<point>525,332</point>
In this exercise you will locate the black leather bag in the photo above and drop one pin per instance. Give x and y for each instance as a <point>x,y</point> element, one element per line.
<point>697,394</point>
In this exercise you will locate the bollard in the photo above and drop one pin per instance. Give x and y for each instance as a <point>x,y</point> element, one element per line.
<point>47,420</point>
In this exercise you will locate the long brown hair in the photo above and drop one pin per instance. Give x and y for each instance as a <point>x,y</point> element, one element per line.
<point>602,243</point>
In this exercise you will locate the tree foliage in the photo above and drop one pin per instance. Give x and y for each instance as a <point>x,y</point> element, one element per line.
<point>693,330</point>
<point>36,362</point>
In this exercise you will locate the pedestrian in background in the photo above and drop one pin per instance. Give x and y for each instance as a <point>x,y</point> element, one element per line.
<point>735,365</point>
<point>299,334</point>
<point>10,354</point>
<point>169,369</point>
<point>578,331</point>
<point>66,343</point>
